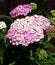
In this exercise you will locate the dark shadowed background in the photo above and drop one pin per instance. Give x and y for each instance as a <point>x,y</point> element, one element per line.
<point>7,5</point>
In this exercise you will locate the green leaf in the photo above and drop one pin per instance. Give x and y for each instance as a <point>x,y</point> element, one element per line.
<point>37,63</point>
<point>12,63</point>
<point>52,20</point>
<point>53,54</point>
<point>50,62</point>
<point>1,52</point>
<point>52,12</point>
<point>48,45</point>
<point>6,17</point>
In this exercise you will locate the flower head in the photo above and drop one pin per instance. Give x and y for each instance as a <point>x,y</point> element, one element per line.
<point>33,5</point>
<point>25,31</point>
<point>50,31</point>
<point>2,25</point>
<point>21,10</point>
<point>43,54</point>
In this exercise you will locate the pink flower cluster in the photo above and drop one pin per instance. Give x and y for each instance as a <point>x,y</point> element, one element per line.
<point>21,10</point>
<point>27,30</point>
<point>42,21</point>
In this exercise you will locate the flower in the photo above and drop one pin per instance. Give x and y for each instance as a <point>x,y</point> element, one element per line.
<point>43,54</point>
<point>33,5</point>
<point>25,31</point>
<point>28,30</point>
<point>2,25</point>
<point>43,21</point>
<point>21,10</point>
<point>50,31</point>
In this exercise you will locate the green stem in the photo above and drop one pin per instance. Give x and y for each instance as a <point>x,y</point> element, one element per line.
<point>31,56</point>
<point>1,61</point>
<point>30,53</point>
<point>48,40</point>
<point>6,17</point>
<point>42,3</point>
<point>5,39</point>
<point>40,12</point>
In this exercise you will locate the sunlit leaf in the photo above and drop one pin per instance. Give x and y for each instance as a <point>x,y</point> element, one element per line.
<point>52,12</point>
